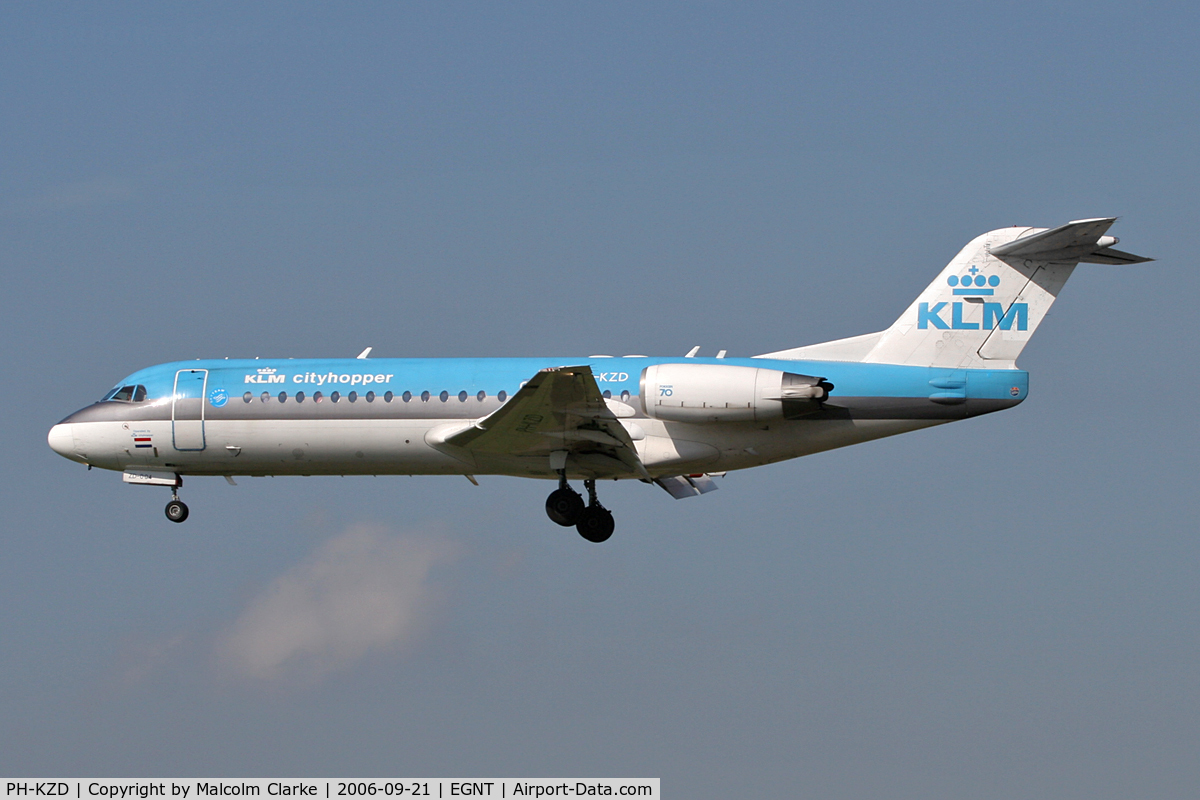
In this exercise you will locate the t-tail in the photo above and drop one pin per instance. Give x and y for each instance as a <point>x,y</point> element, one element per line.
<point>985,305</point>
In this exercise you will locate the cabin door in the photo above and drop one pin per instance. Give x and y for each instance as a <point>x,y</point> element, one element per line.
<point>187,409</point>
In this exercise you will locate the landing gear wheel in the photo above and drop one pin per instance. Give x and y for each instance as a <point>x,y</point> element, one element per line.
<point>564,506</point>
<point>176,511</point>
<point>596,524</point>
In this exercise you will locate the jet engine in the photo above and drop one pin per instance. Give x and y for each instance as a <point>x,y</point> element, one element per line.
<point>719,393</point>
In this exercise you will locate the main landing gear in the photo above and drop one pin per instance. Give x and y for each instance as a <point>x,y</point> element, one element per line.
<point>176,510</point>
<point>565,506</point>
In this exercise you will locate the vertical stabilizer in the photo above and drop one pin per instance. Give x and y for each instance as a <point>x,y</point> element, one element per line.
<point>987,303</point>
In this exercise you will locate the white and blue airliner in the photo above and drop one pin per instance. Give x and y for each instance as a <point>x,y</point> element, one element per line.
<point>675,422</point>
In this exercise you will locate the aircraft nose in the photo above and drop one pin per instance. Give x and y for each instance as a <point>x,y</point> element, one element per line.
<point>62,441</point>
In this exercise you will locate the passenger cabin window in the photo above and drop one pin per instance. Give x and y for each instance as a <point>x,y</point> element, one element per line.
<point>370,397</point>
<point>462,396</point>
<point>352,396</point>
<point>335,396</point>
<point>480,397</point>
<point>387,397</point>
<point>425,397</point>
<point>502,396</point>
<point>444,395</point>
<point>248,396</point>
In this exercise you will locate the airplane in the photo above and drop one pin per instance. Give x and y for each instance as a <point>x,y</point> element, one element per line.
<point>675,422</point>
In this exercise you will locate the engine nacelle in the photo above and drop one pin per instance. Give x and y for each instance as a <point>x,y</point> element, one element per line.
<point>719,393</point>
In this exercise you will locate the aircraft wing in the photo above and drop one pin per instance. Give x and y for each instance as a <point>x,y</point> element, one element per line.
<point>558,409</point>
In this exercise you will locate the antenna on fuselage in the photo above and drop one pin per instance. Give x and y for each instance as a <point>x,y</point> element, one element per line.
<point>364,353</point>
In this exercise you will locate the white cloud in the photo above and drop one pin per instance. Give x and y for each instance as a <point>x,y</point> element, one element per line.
<point>364,590</point>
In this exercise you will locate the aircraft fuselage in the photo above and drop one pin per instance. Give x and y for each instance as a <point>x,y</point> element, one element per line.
<point>380,416</point>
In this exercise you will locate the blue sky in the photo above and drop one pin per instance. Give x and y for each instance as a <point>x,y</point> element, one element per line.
<point>1004,607</point>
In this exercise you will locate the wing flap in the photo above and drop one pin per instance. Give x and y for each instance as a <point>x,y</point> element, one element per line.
<point>682,487</point>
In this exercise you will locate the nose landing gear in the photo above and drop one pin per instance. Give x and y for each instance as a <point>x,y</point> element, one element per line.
<point>176,510</point>
<point>565,507</point>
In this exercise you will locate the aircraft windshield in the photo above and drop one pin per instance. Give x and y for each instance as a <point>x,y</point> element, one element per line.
<point>127,394</point>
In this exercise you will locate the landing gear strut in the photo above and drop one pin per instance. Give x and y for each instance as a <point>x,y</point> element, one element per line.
<point>596,522</point>
<point>176,510</point>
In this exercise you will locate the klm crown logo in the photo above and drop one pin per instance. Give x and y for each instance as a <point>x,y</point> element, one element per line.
<point>974,285</point>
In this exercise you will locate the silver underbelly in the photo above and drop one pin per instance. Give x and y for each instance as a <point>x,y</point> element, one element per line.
<point>399,447</point>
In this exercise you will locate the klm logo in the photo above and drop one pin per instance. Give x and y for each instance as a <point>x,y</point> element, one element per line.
<point>265,376</point>
<point>973,285</point>
<point>993,315</point>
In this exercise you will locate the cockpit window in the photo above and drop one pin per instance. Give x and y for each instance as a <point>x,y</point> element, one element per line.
<point>128,394</point>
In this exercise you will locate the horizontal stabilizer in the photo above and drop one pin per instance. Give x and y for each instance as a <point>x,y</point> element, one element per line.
<point>1107,255</point>
<point>1081,240</point>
